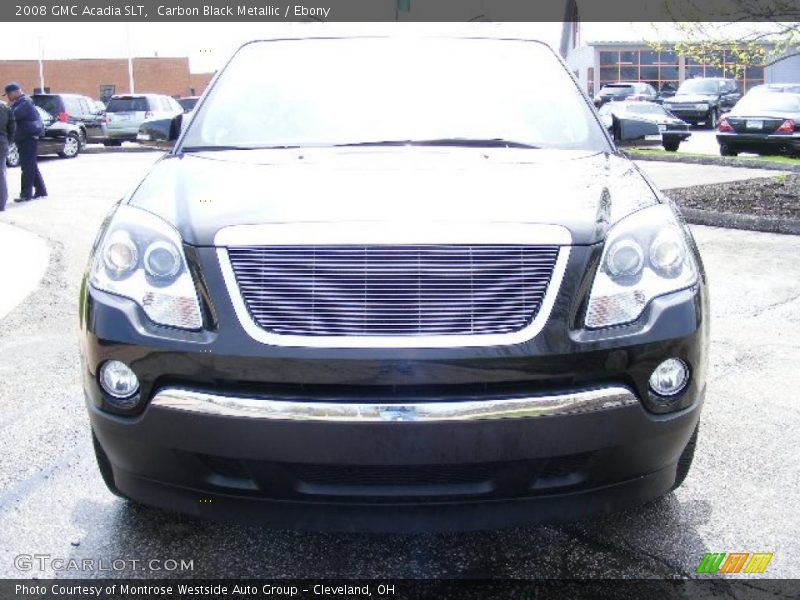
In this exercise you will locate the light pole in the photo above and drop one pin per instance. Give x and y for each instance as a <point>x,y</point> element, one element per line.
<point>41,67</point>
<point>130,60</point>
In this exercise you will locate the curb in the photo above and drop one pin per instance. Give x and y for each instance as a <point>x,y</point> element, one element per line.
<point>697,216</point>
<point>119,149</point>
<point>719,161</point>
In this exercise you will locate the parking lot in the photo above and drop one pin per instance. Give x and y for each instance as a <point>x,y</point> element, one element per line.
<point>741,496</point>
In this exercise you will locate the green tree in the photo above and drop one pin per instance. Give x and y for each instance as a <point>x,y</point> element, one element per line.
<point>736,45</point>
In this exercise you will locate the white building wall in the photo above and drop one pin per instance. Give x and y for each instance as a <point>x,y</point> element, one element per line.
<point>580,59</point>
<point>786,70</point>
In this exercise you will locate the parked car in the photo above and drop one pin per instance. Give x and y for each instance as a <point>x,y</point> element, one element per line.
<point>125,113</point>
<point>703,100</point>
<point>413,300</point>
<point>635,90</point>
<point>75,109</point>
<point>778,88</point>
<point>59,138</point>
<point>188,103</point>
<point>764,123</point>
<point>671,130</point>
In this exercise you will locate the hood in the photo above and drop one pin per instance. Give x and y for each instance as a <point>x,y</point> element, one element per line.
<point>690,98</point>
<point>200,193</point>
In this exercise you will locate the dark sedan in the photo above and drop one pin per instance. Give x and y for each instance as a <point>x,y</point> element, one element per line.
<point>671,129</point>
<point>59,138</point>
<point>765,123</point>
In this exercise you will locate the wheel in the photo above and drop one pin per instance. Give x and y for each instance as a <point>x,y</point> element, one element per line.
<point>685,461</point>
<point>104,465</point>
<point>110,143</point>
<point>671,145</point>
<point>726,150</point>
<point>12,160</point>
<point>713,118</point>
<point>72,145</point>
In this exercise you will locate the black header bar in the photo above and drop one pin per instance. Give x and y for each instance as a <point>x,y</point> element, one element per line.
<point>399,10</point>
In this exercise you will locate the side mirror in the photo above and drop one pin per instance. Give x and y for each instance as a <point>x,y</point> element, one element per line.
<point>636,131</point>
<point>160,133</point>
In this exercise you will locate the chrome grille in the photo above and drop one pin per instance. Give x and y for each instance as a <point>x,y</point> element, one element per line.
<point>408,290</point>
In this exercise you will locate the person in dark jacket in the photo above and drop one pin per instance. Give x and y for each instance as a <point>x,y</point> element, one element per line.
<point>8,127</point>
<point>29,128</point>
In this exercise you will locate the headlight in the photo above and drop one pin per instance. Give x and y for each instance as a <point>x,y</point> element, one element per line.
<point>645,255</point>
<point>141,257</point>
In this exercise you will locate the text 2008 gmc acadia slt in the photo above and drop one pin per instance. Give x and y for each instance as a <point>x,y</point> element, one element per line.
<point>393,283</point>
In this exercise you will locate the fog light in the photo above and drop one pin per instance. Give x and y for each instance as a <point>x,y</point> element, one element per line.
<point>670,377</point>
<point>119,382</point>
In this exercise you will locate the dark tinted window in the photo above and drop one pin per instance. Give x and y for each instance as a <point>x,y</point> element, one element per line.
<point>187,103</point>
<point>613,90</point>
<point>52,104</point>
<point>699,86</point>
<point>128,104</point>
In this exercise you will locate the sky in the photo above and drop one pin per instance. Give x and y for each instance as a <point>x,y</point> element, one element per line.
<point>209,45</point>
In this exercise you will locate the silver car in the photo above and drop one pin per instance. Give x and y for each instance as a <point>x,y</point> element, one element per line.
<point>125,113</point>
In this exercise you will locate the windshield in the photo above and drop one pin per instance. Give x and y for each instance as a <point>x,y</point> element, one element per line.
<point>772,102</point>
<point>646,109</point>
<point>137,104</point>
<point>611,90</point>
<point>324,92</point>
<point>699,86</point>
<point>52,104</point>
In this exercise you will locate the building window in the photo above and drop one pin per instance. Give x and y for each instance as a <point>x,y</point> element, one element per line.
<point>658,68</point>
<point>725,64</point>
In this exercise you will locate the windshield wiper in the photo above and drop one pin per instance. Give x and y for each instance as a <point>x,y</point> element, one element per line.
<point>465,142</point>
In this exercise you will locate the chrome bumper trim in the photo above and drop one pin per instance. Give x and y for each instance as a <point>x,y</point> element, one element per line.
<point>472,410</point>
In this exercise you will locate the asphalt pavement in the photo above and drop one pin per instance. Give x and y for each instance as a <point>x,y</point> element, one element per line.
<point>741,496</point>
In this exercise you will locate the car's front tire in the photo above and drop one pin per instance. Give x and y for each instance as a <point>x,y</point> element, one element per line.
<point>672,145</point>
<point>72,146</point>
<point>713,119</point>
<point>12,160</point>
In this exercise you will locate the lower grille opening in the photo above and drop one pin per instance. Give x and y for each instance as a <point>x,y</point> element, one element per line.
<point>227,472</point>
<point>396,482</point>
<point>563,471</point>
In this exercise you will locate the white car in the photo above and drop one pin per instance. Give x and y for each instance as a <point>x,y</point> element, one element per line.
<point>125,113</point>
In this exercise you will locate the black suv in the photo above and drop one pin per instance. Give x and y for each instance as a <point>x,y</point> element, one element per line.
<point>76,110</point>
<point>703,100</point>
<point>408,301</point>
<point>635,90</point>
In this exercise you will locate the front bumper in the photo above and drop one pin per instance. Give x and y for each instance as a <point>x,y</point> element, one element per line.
<point>214,438</point>
<point>689,114</point>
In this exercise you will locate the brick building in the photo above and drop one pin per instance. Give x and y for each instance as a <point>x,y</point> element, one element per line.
<point>103,77</point>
